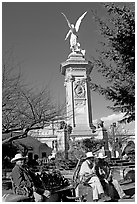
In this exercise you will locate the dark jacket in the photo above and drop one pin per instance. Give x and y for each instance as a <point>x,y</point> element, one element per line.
<point>102,169</point>
<point>21,181</point>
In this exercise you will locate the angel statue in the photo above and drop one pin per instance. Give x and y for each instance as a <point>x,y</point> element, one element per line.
<point>74,45</point>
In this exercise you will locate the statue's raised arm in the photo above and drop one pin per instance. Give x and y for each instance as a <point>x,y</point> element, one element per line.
<point>74,45</point>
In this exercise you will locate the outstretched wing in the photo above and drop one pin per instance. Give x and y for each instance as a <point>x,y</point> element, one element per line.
<point>67,20</point>
<point>79,21</point>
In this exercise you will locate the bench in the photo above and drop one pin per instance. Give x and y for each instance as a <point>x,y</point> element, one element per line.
<point>82,191</point>
<point>122,165</point>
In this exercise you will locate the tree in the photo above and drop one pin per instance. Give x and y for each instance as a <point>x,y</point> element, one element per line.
<point>116,61</point>
<point>92,144</point>
<point>76,150</point>
<point>79,148</point>
<point>23,108</point>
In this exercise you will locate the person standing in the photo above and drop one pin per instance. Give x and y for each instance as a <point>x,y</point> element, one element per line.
<point>88,175</point>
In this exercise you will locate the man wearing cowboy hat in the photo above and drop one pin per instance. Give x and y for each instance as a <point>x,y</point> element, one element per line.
<point>88,175</point>
<point>22,180</point>
<point>110,185</point>
<point>102,168</point>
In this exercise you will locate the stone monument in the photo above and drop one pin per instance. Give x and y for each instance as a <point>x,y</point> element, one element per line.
<point>76,70</point>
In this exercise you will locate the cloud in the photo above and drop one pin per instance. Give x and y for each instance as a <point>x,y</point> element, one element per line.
<point>113,117</point>
<point>108,120</point>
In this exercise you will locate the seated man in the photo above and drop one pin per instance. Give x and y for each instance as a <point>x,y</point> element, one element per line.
<point>87,175</point>
<point>23,183</point>
<point>110,185</point>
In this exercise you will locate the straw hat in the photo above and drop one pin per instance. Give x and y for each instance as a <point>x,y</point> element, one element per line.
<point>17,157</point>
<point>101,155</point>
<point>89,154</point>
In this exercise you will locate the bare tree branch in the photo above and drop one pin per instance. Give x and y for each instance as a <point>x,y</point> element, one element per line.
<point>24,108</point>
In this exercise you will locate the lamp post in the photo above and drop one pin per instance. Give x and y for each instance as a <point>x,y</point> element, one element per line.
<point>113,145</point>
<point>66,143</point>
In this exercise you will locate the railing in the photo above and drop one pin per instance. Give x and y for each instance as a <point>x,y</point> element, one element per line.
<point>117,162</point>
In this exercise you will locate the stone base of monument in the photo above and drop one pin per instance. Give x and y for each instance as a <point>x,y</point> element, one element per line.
<point>82,132</point>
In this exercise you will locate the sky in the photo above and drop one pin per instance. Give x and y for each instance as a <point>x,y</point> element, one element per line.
<point>34,32</point>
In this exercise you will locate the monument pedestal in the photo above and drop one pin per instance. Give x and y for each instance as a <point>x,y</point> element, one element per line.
<point>76,70</point>
<point>83,132</point>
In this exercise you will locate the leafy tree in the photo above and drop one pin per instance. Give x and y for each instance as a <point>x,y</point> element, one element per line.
<point>92,145</point>
<point>79,148</point>
<point>116,60</point>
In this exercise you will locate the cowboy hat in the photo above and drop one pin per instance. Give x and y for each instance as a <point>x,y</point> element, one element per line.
<point>89,154</point>
<point>101,156</point>
<point>17,157</point>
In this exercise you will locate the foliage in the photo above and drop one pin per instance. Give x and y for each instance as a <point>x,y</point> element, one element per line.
<point>80,147</point>
<point>63,125</point>
<point>62,163</point>
<point>92,145</point>
<point>77,150</point>
<point>53,179</point>
<point>116,61</point>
